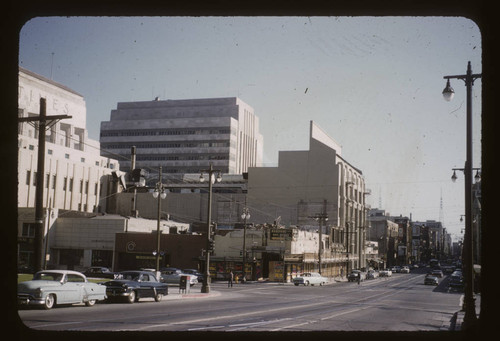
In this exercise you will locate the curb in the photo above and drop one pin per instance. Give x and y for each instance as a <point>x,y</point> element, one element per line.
<point>178,296</point>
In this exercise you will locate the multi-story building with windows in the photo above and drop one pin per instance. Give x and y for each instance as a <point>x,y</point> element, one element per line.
<point>76,176</point>
<point>184,136</point>
<point>308,186</point>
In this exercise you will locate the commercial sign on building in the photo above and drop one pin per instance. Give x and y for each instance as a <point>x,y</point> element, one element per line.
<point>280,234</point>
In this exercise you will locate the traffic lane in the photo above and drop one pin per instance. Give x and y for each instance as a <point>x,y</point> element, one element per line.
<point>109,316</point>
<point>321,313</point>
<point>365,307</point>
<point>260,307</point>
<point>175,315</point>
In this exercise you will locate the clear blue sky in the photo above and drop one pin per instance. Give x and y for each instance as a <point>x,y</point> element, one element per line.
<point>373,84</point>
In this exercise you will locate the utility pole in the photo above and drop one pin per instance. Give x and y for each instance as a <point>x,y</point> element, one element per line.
<point>320,218</point>
<point>43,120</point>
<point>132,167</point>
<point>205,288</point>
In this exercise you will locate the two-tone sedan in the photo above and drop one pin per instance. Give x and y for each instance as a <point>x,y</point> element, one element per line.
<point>173,276</point>
<point>134,285</point>
<point>51,287</point>
<point>310,278</point>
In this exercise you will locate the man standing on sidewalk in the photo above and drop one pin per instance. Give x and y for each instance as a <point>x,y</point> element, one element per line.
<point>230,282</point>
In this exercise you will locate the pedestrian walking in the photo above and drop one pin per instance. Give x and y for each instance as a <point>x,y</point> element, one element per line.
<point>359,278</point>
<point>230,282</point>
<point>341,272</point>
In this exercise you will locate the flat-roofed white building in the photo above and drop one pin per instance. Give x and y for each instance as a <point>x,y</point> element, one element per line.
<point>185,136</point>
<point>76,176</point>
<point>74,168</point>
<point>310,183</point>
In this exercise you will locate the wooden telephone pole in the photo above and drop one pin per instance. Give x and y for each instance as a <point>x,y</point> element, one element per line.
<point>43,120</point>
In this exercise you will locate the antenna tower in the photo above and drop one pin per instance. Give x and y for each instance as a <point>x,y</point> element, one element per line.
<point>441,216</point>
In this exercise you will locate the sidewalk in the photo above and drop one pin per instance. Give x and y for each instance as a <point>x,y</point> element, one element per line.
<point>458,317</point>
<point>175,294</point>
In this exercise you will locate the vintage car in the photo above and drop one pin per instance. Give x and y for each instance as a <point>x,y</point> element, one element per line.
<point>431,280</point>
<point>396,269</point>
<point>355,274</point>
<point>405,269</point>
<point>372,274</point>
<point>194,272</point>
<point>100,272</point>
<point>385,273</point>
<point>437,273</point>
<point>173,276</point>
<point>310,278</point>
<point>134,285</point>
<point>51,287</point>
<point>456,281</point>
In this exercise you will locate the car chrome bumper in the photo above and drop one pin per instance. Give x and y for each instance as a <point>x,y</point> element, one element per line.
<point>29,300</point>
<point>117,293</point>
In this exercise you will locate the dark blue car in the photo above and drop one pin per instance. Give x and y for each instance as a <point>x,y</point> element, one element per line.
<point>135,285</point>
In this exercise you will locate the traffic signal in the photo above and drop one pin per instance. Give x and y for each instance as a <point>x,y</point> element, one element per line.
<point>137,174</point>
<point>211,245</point>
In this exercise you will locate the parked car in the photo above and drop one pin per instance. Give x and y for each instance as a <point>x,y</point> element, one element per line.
<point>310,278</point>
<point>100,272</point>
<point>353,276</point>
<point>385,273</point>
<point>396,269</point>
<point>173,276</point>
<point>448,269</point>
<point>437,273</point>
<point>194,272</point>
<point>51,287</point>
<point>405,270</point>
<point>372,274</point>
<point>134,285</point>
<point>456,281</point>
<point>431,280</point>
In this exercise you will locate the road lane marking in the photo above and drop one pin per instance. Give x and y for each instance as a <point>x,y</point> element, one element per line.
<point>225,316</point>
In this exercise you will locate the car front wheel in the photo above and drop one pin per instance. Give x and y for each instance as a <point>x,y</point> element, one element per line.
<point>50,301</point>
<point>158,297</point>
<point>90,303</point>
<point>131,297</point>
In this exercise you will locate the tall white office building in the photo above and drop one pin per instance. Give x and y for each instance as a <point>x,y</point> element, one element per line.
<point>76,175</point>
<point>184,136</point>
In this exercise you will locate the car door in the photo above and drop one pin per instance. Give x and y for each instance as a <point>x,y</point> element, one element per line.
<point>146,286</point>
<point>73,288</point>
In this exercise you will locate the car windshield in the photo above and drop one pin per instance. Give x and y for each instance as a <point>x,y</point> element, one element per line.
<point>48,276</point>
<point>131,276</point>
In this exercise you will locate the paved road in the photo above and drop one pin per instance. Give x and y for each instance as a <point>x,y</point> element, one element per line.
<point>400,303</point>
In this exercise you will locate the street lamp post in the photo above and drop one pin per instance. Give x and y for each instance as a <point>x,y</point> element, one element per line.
<point>159,193</point>
<point>245,215</point>
<point>205,288</point>
<point>470,318</point>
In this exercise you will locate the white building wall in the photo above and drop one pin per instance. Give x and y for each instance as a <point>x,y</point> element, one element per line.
<point>69,154</point>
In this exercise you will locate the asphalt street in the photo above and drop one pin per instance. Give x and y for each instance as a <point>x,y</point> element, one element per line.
<point>399,303</point>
